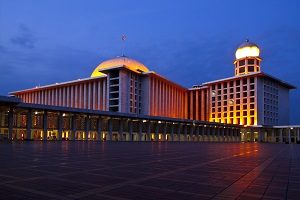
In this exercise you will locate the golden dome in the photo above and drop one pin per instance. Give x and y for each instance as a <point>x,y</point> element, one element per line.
<point>247,49</point>
<point>117,62</point>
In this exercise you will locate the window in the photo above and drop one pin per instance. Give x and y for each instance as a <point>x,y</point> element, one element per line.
<point>242,70</point>
<point>252,80</point>
<point>252,93</point>
<point>245,113</point>
<point>241,62</point>
<point>237,113</point>
<point>251,68</point>
<point>252,121</point>
<point>231,83</point>
<point>245,100</point>
<point>244,107</point>
<point>251,62</point>
<point>238,107</point>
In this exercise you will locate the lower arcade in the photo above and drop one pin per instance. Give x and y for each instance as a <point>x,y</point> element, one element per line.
<point>23,121</point>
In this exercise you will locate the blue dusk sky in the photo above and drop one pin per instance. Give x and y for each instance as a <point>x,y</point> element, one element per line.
<point>189,42</point>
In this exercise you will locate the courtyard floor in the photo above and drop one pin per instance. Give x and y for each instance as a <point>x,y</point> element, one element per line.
<point>124,170</point>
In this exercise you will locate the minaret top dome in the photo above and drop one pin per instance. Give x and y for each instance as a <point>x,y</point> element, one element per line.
<point>247,49</point>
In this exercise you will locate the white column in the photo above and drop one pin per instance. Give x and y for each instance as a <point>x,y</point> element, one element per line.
<point>87,127</point>
<point>289,135</point>
<point>198,132</point>
<point>172,132</point>
<point>59,126</point>
<point>121,129</point>
<point>28,125</point>
<point>130,126</point>
<point>110,129</point>
<point>280,136</point>
<point>99,129</point>
<point>164,132</point>
<point>140,130</point>
<point>10,124</point>
<point>148,131</point>
<point>45,125</point>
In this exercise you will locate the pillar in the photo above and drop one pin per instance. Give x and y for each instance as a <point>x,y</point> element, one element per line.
<point>59,126</point>
<point>87,127</point>
<point>99,129</point>
<point>178,131</point>
<point>121,122</point>
<point>149,131</point>
<point>10,124</point>
<point>164,132</point>
<point>289,135</point>
<point>192,127</point>
<point>198,133</point>
<point>73,127</point>
<point>280,136</point>
<point>130,127</point>
<point>218,134</point>
<point>172,132</point>
<point>28,125</point>
<point>45,125</point>
<point>110,129</point>
<point>140,130</point>
<point>251,135</point>
<point>273,136</point>
<point>185,132</point>
<point>156,131</point>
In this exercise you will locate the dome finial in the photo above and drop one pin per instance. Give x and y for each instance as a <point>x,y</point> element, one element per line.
<point>124,37</point>
<point>247,40</point>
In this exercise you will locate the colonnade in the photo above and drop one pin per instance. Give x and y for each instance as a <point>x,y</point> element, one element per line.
<point>56,125</point>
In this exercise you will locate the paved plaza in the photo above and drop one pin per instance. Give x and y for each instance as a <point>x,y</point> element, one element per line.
<point>124,170</point>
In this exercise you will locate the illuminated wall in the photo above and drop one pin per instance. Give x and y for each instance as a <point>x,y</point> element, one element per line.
<point>198,103</point>
<point>164,98</point>
<point>85,94</point>
<point>234,101</point>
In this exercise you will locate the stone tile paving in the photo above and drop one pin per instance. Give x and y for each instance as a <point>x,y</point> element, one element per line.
<point>123,170</point>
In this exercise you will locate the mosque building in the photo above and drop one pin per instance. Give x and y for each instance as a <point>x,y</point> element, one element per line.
<point>251,104</point>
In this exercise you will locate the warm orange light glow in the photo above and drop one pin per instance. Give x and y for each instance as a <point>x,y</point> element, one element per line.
<point>117,62</point>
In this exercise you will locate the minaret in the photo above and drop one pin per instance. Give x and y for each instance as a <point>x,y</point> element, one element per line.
<point>247,59</point>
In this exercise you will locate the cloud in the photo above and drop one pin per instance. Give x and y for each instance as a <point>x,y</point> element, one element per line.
<point>24,38</point>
